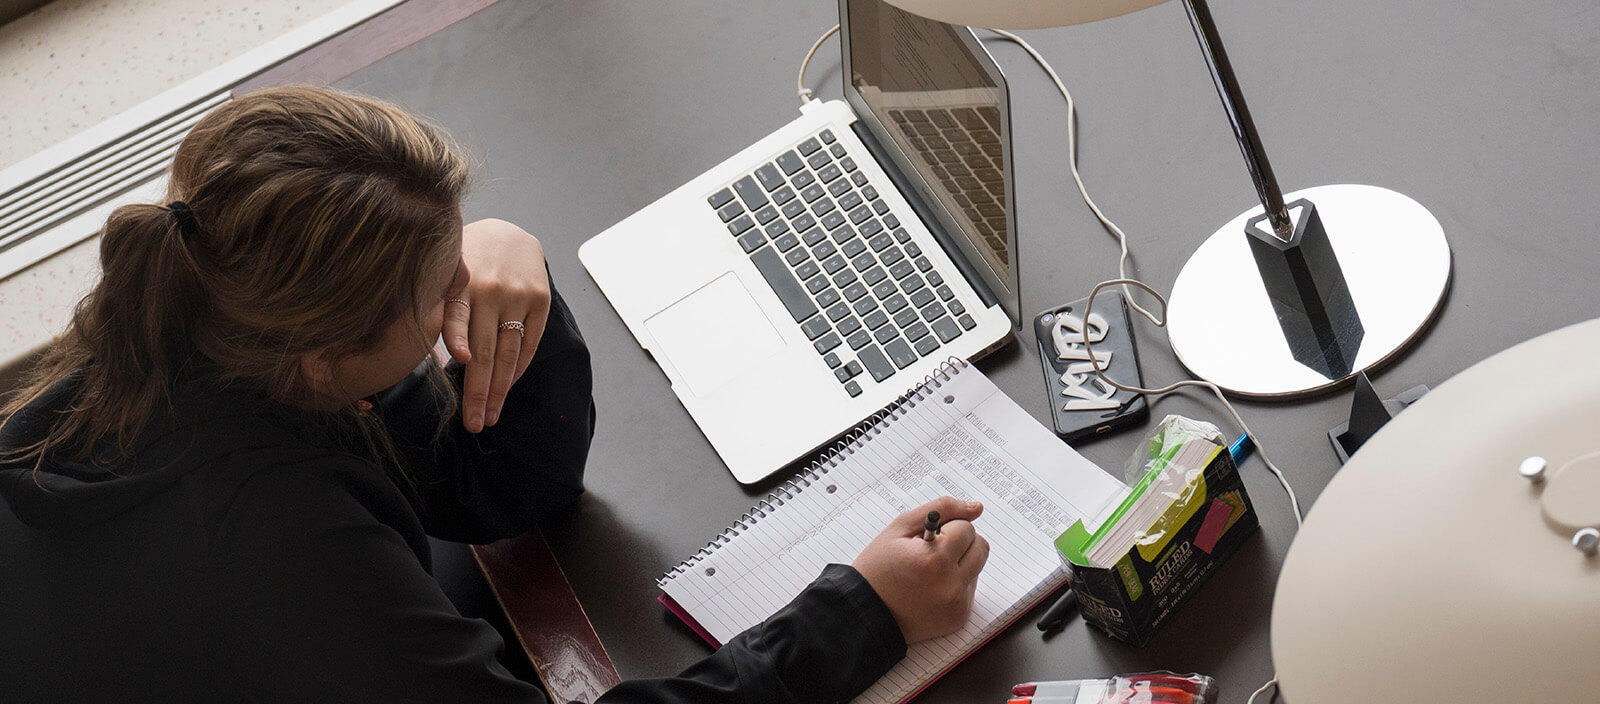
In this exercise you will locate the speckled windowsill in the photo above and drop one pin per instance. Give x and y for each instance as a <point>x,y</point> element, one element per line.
<point>75,63</point>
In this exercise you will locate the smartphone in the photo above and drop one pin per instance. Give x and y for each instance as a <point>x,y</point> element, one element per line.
<point>1082,405</point>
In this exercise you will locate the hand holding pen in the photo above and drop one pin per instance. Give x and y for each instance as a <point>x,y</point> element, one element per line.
<point>926,577</point>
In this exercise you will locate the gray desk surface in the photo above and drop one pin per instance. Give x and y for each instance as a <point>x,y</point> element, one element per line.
<point>580,112</point>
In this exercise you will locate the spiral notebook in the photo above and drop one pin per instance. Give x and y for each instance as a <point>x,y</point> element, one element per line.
<point>955,433</point>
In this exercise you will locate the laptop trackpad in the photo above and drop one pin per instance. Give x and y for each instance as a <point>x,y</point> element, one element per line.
<point>714,334</point>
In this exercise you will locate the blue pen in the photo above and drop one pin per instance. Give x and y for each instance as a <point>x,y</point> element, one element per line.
<point>1241,449</point>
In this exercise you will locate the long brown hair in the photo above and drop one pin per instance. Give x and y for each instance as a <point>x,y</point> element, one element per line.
<point>316,217</point>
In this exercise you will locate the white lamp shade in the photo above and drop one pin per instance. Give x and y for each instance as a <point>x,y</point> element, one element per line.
<point>1021,14</point>
<point>1431,571</point>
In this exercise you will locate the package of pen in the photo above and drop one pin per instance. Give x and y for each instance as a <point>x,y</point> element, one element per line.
<point>1138,688</point>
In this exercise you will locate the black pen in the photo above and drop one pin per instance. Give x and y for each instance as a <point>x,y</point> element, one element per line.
<point>1056,615</point>
<point>930,527</point>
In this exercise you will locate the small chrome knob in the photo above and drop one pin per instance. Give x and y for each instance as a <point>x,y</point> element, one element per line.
<point>1533,468</point>
<point>1587,541</point>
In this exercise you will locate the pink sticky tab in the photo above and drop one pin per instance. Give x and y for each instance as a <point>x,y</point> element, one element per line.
<point>1216,521</point>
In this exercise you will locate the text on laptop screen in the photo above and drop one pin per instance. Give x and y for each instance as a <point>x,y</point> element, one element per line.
<point>935,101</point>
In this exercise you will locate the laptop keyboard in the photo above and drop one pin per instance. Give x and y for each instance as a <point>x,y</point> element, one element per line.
<point>962,148</point>
<point>848,273</point>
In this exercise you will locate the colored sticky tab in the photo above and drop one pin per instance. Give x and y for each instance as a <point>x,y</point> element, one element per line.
<point>1216,523</point>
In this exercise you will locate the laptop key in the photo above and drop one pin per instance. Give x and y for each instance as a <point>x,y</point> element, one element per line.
<point>752,241</point>
<point>808,270</point>
<point>829,173</point>
<point>812,235</point>
<point>804,222</point>
<point>824,250</point>
<point>740,224</point>
<point>769,177</point>
<point>850,200</point>
<point>812,192</point>
<point>891,221</point>
<point>860,214</point>
<point>926,345</point>
<point>866,305</point>
<point>956,308</point>
<point>945,293</point>
<point>860,339</point>
<point>795,209</point>
<point>832,360</point>
<point>891,256</point>
<point>847,326</point>
<point>916,331</point>
<point>852,388</point>
<point>854,248</point>
<point>921,297</point>
<point>863,262</point>
<point>827,342</point>
<point>900,353</point>
<point>912,284</point>
<point>750,193</point>
<point>720,198</point>
<point>871,227</point>
<point>784,284</point>
<point>833,264</point>
<point>844,278</point>
<point>790,162</point>
<point>783,195</point>
<point>843,234</point>
<point>923,264</point>
<point>906,317</point>
<point>874,276</point>
<point>886,333</point>
<point>854,291</point>
<point>837,150</point>
<point>876,319</point>
<point>809,146</point>
<point>842,373</point>
<point>822,206</point>
<point>828,297</point>
<point>880,241</point>
<point>880,207</point>
<point>766,214</point>
<point>858,178</point>
<point>827,136</point>
<point>848,164</point>
<point>816,284</point>
<point>841,187</point>
<point>837,312</point>
<point>931,311</point>
<point>802,179</point>
<point>833,220</point>
<point>894,303</point>
<point>777,229</point>
<point>814,327</point>
<point>819,160</point>
<point>912,250</point>
<point>900,234</point>
<point>901,269</point>
<point>876,364</point>
<point>946,329</point>
<point>787,242</point>
<point>796,256</point>
<point>730,211</point>
<point>934,279</point>
<point>967,323</point>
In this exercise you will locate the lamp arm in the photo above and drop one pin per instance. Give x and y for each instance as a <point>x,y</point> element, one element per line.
<point>1244,129</point>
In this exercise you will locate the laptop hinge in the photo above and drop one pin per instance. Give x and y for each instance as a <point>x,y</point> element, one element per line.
<point>925,214</point>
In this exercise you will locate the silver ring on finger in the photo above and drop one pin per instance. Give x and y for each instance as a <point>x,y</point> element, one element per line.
<point>522,331</point>
<point>464,304</point>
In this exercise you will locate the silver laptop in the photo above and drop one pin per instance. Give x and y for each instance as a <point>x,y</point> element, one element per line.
<point>810,280</point>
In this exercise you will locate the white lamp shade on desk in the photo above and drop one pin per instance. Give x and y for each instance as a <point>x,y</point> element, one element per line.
<point>1432,570</point>
<point>1021,14</point>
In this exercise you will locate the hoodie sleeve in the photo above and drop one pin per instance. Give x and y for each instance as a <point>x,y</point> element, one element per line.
<point>525,469</point>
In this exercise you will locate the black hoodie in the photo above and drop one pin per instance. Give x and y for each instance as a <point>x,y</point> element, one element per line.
<point>243,553</point>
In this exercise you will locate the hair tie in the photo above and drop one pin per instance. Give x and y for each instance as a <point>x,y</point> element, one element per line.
<point>187,225</point>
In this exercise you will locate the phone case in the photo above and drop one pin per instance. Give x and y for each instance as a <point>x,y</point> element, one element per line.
<point>1081,405</point>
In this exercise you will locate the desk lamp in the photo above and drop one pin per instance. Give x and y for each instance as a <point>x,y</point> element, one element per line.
<point>1291,297</point>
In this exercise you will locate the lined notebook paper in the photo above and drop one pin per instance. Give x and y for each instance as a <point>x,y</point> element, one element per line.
<point>954,434</point>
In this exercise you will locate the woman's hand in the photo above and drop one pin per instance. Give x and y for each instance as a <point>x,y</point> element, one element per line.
<point>928,586</point>
<point>508,284</point>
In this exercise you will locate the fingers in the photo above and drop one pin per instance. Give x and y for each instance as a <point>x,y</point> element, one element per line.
<point>949,508</point>
<point>484,337</point>
<point>457,313</point>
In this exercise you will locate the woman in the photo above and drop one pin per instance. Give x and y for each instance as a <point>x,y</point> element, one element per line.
<point>221,479</point>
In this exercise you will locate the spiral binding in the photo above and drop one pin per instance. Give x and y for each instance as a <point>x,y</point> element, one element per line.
<point>844,447</point>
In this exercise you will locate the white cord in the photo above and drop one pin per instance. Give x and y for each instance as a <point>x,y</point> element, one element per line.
<point>1125,282</point>
<point>1269,685</point>
<point>800,81</point>
<point>1072,163</point>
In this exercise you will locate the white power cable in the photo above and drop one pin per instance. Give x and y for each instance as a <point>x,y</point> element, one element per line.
<point>800,81</point>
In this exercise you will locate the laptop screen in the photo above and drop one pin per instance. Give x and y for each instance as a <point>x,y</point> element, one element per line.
<point>937,102</point>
